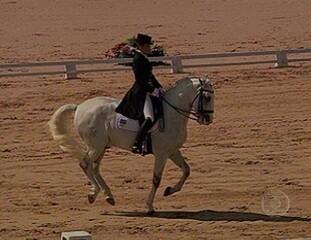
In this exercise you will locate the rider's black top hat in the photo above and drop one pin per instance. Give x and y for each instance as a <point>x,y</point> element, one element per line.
<point>142,39</point>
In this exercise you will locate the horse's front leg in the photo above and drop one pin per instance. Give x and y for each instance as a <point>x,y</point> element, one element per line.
<point>159,164</point>
<point>179,160</point>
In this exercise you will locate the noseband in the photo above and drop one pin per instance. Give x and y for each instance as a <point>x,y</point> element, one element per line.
<point>193,115</point>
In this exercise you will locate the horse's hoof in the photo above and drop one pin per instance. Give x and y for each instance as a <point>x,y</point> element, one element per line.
<point>91,198</point>
<point>167,192</point>
<point>110,200</point>
<point>150,213</point>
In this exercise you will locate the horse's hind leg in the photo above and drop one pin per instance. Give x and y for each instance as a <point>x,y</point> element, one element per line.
<point>90,165</point>
<point>104,187</point>
<point>179,160</point>
<point>86,166</point>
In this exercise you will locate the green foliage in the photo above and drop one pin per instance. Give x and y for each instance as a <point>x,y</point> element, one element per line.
<point>131,41</point>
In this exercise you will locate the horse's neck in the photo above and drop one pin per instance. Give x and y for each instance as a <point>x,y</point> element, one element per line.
<point>180,97</point>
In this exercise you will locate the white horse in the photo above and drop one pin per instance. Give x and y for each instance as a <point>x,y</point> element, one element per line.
<point>95,119</point>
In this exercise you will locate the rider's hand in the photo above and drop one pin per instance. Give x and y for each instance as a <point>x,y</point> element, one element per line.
<point>156,92</point>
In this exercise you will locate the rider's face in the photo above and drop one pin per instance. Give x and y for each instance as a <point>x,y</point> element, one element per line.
<point>146,48</point>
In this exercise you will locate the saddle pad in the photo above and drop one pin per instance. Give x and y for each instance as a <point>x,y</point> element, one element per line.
<point>126,123</point>
<point>129,124</point>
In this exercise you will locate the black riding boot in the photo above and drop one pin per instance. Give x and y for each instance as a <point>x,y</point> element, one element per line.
<point>141,135</point>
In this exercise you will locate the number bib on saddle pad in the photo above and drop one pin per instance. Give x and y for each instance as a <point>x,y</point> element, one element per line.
<point>122,122</point>
<point>125,123</point>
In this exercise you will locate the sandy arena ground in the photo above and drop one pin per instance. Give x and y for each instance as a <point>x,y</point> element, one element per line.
<point>260,139</point>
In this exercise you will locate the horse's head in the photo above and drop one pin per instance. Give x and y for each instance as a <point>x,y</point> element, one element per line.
<point>196,98</point>
<point>203,103</point>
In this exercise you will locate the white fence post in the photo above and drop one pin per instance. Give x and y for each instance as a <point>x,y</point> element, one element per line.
<point>71,71</point>
<point>282,60</point>
<point>76,235</point>
<point>177,65</point>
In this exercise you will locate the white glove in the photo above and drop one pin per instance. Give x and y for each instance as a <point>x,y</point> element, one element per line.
<point>156,92</point>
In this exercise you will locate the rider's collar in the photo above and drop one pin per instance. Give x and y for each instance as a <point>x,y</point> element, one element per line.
<point>141,52</point>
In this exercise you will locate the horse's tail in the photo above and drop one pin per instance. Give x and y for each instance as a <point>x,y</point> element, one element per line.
<point>59,128</point>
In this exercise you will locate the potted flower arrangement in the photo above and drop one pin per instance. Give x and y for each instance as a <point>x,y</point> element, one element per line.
<point>124,50</point>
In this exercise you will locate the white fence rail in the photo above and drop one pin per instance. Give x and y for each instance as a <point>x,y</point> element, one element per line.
<point>71,69</point>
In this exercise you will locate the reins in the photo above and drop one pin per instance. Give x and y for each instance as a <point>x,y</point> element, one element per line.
<point>181,111</point>
<point>188,114</point>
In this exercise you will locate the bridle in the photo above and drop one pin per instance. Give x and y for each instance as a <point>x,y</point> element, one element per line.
<point>193,115</point>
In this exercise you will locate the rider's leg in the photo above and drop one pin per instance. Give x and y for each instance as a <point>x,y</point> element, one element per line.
<point>148,108</point>
<point>145,126</point>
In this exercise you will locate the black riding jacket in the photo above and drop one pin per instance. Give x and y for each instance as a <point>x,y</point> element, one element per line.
<point>132,104</point>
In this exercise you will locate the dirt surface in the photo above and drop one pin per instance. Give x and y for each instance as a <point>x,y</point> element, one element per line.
<point>259,142</point>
